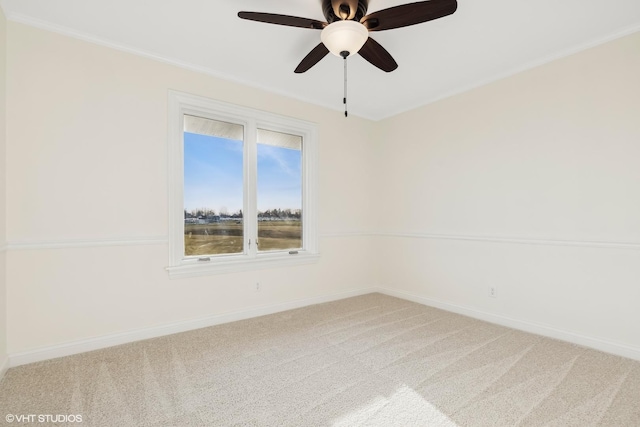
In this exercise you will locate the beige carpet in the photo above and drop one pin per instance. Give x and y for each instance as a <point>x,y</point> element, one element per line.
<point>372,360</point>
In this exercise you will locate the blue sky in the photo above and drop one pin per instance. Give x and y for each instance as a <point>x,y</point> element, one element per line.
<point>213,175</point>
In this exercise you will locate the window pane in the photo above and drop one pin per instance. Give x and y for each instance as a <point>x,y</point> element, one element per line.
<point>213,187</point>
<point>279,191</point>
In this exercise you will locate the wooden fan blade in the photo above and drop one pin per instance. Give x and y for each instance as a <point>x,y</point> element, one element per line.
<point>377,55</point>
<point>289,21</point>
<point>312,58</point>
<point>409,14</point>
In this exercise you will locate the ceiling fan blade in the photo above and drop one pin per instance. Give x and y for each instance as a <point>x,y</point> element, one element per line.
<point>312,58</point>
<point>409,14</point>
<point>377,55</point>
<point>289,21</point>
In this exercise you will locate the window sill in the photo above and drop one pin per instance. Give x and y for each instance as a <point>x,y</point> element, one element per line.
<point>240,264</point>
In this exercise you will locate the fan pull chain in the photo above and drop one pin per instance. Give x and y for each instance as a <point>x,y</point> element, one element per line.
<point>345,54</point>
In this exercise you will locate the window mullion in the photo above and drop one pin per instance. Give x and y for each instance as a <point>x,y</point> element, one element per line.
<point>250,193</point>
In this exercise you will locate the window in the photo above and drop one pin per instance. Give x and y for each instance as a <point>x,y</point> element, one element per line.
<point>242,188</point>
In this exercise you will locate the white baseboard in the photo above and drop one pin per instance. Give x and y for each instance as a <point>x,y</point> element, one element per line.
<point>4,366</point>
<point>81,346</point>
<point>97,343</point>
<point>535,328</point>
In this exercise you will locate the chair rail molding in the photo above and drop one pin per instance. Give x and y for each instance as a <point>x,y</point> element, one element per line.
<point>511,240</point>
<point>85,243</point>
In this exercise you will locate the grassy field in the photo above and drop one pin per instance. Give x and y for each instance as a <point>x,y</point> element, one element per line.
<point>226,237</point>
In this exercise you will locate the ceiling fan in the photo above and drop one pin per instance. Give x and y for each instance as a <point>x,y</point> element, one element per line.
<point>346,31</point>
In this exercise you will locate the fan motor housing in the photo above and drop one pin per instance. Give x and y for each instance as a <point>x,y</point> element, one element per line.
<point>339,10</point>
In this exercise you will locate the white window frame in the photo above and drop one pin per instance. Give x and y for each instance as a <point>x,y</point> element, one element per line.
<point>251,259</point>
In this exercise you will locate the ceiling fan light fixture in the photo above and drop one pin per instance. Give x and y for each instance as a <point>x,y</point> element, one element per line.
<point>344,36</point>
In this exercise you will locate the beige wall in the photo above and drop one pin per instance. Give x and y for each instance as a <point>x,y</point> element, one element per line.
<point>87,144</point>
<point>3,198</point>
<point>549,154</point>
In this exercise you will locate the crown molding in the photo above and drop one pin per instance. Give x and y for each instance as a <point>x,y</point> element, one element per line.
<point>520,69</point>
<point>48,26</point>
<point>123,47</point>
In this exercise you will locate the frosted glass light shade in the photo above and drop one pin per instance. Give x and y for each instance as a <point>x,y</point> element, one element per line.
<point>343,36</point>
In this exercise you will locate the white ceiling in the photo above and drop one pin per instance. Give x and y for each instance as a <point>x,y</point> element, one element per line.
<point>483,41</point>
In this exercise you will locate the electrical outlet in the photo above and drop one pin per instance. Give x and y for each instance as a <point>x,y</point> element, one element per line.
<point>258,287</point>
<point>493,292</point>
